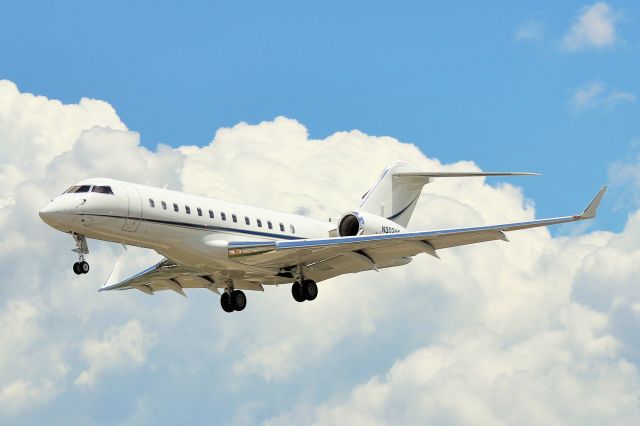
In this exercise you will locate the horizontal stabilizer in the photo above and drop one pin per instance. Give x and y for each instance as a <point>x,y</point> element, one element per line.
<point>461,174</point>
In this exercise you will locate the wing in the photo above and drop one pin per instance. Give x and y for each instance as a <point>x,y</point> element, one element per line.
<point>169,275</point>
<point>324,258</point>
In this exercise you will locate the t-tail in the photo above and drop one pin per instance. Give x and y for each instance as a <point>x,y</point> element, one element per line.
<point>396,192</point>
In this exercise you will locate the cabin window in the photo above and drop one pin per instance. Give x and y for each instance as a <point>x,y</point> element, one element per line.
<point>246,220</point>
<point>211,214</point>
<point>293,229</point>
<point>234,217</point>
<point>102,189</point>
<point>175,207</point>
<point>199,211</point>
<point>164,205</point>
<point>269,224</point>
<point>151,202</point>
<point>223,216</point>
<point>259,222</point>
<point>281,227</point>
<point>187,209</point>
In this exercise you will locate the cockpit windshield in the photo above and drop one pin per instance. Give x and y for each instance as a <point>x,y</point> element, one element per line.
<point>78,188</point>
<point>89,188</point>
<point>102,189</point>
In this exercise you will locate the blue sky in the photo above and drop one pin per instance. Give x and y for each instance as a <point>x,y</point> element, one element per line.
<point>451,77</point>
<point>489,333</point>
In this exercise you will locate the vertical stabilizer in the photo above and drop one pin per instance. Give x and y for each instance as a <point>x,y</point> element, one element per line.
<point>392,196</point>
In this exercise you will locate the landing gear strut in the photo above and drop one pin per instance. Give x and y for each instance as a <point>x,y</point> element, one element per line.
<point>233,300</point>
<point>81,266</point>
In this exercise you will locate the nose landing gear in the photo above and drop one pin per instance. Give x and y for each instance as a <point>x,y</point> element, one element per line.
<point>81,266</point>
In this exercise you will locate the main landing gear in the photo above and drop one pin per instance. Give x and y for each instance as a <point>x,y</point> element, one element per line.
<point>233,300</point>
<point>81,266</point>
<point>304,290</point>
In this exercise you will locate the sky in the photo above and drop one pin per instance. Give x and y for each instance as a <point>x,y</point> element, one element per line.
<point>493,83</point>
<point>298,107</point>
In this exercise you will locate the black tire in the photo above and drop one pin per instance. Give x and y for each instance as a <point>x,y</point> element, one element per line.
<point>225,302</point>
<point>296,292</point>
<point>309,289</point>
<point>83,267</point>
<point>76,268</point>
<point>238,300</point>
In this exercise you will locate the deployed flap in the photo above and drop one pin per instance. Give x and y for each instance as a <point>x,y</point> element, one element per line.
<point>169,275</point>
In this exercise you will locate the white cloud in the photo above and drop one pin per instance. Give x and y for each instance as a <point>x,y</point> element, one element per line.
<point>594,95</point>
<point>619,97</point>
<point>477,378</point>
<point>572,362</point>
<point>541,328</point>
<point>593,28</point>
<point>34,130</point>
<point>21,383</point>
<point>532,30</point>
<point>18,395</point>
<point>624,176</point>
<point>120,347</point>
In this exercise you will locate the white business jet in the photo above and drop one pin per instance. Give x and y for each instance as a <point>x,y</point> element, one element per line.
<point>217,245</point>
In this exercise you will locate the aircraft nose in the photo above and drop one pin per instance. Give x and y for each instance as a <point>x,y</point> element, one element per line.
<point>52,214</point>
<point>47,212</point>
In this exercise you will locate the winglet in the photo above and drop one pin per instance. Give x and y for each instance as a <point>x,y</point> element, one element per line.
<point>113,277</point>
<point>590,211</point>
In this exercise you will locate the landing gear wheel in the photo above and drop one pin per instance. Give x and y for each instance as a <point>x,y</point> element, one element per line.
<point>225,302</point>
<point>83,267</point>
<point>309,289</point>
<point>296,291</point>
<point>76,268</point>
<point>238,300</point>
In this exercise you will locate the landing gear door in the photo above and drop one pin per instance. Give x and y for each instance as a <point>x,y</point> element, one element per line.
<point>134,214</point>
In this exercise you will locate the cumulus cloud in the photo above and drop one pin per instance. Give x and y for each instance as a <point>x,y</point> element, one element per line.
<point>20,382</point>
<point>574,362</point>
<point>539,328</point>
<point>594,95</point>
<point>119,347</point>
<point>48,127</point>
<point>595,27</point>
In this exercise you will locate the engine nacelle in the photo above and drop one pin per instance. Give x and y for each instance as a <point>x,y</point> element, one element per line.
<point>361,223</point>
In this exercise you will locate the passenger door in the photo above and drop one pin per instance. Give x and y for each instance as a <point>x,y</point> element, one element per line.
<point>134,214</point>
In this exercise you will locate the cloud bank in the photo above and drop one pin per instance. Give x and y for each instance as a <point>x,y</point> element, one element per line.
<point>539,330</point>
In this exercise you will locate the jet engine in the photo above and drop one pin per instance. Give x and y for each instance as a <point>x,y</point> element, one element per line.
<point>362,223</point>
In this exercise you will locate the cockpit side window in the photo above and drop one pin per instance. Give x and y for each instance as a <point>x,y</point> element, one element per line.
<point>102,189</point>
